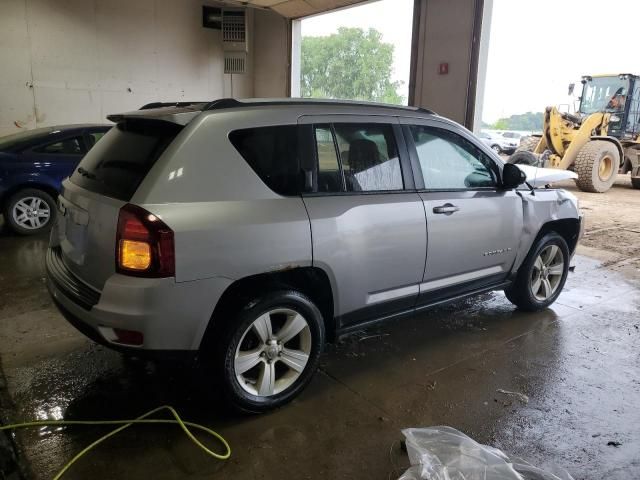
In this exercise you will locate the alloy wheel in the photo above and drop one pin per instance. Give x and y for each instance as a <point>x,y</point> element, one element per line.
<point>273,352</point>
<point>547,272</point>
<point>31,213</point>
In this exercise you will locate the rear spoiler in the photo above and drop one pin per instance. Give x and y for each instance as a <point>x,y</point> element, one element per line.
<point>170,104</point>
<point>180,113</point>
<point>172,113</point>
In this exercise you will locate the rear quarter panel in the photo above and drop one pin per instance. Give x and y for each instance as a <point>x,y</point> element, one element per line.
<point>226,221</point>
<point>22,171</point>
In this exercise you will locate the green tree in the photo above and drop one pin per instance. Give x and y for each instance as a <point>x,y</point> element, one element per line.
<point>351,64</point>
<point>501,124</point>
<point>525,121</point>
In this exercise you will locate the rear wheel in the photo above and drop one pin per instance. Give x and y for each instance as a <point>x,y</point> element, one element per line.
<point>635,182</point>
<point>30,211</point>
<point>270,351</point>
<point>542,275</point>
<point>597,166</point>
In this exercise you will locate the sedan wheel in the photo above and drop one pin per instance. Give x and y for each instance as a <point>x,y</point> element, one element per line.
<point>31,213</point>
<point>273,352</point>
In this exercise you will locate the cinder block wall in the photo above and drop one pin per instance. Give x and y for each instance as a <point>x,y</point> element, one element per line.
<point>73,61</point>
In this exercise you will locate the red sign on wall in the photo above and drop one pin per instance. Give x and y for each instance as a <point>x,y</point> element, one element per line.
<point>443,69</point>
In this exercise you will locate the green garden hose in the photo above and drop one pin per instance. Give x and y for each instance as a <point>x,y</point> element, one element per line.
<point>125,424</point>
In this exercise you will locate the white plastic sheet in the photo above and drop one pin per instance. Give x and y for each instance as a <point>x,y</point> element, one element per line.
<point>444,453</point>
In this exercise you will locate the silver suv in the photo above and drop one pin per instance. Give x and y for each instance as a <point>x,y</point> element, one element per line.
<point>247,234</point>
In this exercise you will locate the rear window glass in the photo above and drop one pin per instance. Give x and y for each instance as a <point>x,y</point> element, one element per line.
<point>123,157</point>
<point>272,152</point>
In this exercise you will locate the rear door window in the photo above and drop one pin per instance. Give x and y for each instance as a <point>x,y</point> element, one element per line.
<point>118,163</point>
<point>329,174</point>
<point>93,137</point>
<point>369,157</point>
<point>272,152</point>
<point>68,146</point>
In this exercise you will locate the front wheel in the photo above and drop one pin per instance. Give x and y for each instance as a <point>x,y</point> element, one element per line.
<point>270,351</point>
<point>542,275</point>
<point>496,148</point>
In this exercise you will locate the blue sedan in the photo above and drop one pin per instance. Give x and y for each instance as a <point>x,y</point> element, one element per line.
<point>32,166</point>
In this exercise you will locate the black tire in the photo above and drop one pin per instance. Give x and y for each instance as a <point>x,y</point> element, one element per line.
<point>597,166</point>
<point>520,293</point>
<point>524,158</point>
<point>528,144</point>
<point>236,330</point>
<point>496,148</point>
<point>635,182</point>
<point>29,193</point>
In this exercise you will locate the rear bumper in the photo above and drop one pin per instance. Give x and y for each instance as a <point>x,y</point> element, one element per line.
<point>93,334</point>
<point>171,316</point>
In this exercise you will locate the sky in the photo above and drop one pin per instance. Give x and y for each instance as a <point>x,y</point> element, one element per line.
<point>532,59</point>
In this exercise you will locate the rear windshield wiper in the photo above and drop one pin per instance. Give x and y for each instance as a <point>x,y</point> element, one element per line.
<point>86,173</point>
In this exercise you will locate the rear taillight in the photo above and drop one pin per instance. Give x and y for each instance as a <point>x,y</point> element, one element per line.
<point>144,244</point>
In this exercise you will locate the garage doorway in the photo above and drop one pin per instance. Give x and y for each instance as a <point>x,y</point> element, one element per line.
<point>355,53</point>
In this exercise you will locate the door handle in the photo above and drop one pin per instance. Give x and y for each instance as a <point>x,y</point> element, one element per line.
<point>446,209</point>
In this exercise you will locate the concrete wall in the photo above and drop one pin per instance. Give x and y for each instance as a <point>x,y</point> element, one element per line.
<point>270,55</point>
<point>445,35</point>
<point>70,61</point>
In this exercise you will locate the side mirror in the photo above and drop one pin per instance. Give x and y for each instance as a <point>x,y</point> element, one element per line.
<point>572,87</point>
<point>512,176</point>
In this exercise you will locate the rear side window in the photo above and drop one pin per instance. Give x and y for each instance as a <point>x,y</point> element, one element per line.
<point>272,152</point>
<point>118,163</point>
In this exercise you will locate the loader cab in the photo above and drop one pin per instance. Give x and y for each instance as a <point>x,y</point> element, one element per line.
<point>615,94</point>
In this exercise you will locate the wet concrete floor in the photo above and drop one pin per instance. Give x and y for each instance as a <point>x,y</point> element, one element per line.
<point>578,362</point>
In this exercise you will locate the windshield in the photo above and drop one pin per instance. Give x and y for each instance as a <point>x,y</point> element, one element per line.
<point>604,94</point>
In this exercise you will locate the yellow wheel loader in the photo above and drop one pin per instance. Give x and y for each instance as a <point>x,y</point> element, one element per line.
<point>597,142</point>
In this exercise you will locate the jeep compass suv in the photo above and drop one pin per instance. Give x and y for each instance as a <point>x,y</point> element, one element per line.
<point>250,232</point>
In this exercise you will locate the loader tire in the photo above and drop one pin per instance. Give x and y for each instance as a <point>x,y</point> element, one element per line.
<point>635,182</point>
<point>524,157</point>
<point>597,166</point>
<point>528,144</point>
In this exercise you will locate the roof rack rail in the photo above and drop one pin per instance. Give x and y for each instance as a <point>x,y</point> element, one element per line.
<point>170,104</point>
<point>224,103</point>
